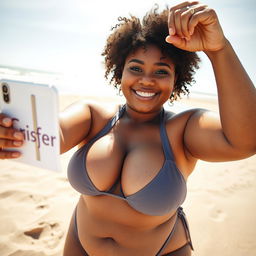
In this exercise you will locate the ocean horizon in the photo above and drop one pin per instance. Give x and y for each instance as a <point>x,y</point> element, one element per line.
<point>75,83</point>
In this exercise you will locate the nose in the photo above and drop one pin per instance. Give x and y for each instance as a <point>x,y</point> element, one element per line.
<point>147,81</point>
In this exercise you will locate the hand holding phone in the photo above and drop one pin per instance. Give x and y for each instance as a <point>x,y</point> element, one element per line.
<point>9,138</point>
<point>33,128</point>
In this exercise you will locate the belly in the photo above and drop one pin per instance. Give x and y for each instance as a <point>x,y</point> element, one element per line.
<point>120,230</point>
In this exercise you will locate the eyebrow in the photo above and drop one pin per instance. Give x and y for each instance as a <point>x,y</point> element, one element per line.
<point>157,63</point>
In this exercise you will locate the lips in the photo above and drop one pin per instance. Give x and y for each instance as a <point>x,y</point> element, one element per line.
<point>146,95</point>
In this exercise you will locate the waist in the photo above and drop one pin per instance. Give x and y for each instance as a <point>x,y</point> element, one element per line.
<point>122,229</point>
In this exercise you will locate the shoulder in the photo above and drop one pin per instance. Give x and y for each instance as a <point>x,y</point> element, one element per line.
<point>176,128</point>
<point>101,113</point>
<point>91,109</point>
<point>82,120</point>
<point>102,110</point>
<point>183,117</point>
<point>191,121</point>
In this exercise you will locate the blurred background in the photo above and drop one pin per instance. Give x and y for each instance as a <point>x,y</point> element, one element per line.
<point>60,41</point>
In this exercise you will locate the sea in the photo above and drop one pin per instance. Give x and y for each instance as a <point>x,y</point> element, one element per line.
<point>76,83</point>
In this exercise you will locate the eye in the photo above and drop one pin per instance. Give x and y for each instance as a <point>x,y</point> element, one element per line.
<point>162,72</point>
<point>135,69</point>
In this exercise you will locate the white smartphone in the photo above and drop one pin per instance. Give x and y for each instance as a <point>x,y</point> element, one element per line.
<point>34,109</point>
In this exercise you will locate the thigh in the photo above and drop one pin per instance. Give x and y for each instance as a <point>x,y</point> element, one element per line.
<point>183,251</point>
<point>72,244</point>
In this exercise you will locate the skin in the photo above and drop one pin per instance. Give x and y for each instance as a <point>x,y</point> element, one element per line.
<point>194,134</point>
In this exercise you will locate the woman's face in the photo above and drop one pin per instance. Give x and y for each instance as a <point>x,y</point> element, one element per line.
<point>147,80</point>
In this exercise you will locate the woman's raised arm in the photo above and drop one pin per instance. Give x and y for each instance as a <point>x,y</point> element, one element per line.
<point>195,27</point>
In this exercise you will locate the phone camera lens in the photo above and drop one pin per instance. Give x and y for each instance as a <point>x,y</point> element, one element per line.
<point>5,88</point>
<point>6,98</point>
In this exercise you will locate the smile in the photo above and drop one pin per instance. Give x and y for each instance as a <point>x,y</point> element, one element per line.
<point>145,94</point>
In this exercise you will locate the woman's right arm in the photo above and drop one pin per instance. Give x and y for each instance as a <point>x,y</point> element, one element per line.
<point>75,124</point>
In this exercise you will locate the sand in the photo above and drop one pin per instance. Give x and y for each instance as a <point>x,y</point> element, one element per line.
<point>36,205</point>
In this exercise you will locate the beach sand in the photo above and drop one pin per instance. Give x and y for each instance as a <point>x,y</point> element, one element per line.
<point>36,205</point>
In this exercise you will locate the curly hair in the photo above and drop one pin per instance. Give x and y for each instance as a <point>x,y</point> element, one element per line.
<point>132,33</point>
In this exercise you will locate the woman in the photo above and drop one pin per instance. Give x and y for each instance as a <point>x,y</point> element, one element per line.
<point>133,160</point>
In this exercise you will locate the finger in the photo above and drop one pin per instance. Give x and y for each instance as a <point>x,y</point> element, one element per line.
<point>11,133</point>
<point>171,24</point>
<point>184,4</point>
<point>176,41</point>
<point>186,15</point>
<point>201,16</point>
<point>5,120</point>
<point>10,143</point>
<point>9,154</point>
<point>177,22</point>
<point>171,16</point>
<point>181,20</point>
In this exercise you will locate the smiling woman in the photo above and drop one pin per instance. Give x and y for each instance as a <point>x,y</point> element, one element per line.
<point>133,160</point>
<point>152,30</point>
<point>148,79</point>
<point>129,163</point>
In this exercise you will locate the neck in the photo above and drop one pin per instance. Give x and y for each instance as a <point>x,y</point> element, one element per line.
<point>141,117</point>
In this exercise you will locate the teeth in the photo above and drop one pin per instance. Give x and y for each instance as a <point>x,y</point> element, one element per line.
<point>145,94</point>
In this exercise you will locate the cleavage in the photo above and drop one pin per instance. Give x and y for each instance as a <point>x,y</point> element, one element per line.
<point>134,161</point>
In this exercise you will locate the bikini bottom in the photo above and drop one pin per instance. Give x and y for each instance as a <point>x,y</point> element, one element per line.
<point>185,250</point>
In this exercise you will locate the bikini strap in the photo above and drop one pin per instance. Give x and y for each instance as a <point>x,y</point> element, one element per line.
<point>164,138</point>
<point>181,215</point>
<point>183,218</point>
<point>109,124</point>
<point>169,237</point>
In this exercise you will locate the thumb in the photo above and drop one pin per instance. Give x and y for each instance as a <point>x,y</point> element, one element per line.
<point>175,40</point>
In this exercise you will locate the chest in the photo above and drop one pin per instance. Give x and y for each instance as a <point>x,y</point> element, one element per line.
<point>133,164</point>
<point>132,155</point>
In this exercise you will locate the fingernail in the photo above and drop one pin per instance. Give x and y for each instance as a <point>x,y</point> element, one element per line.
<point>168,39</point>
<point>171,31</point>
<point>7,121</point>
<point>18,135</point>
<point>17,143</point>
<point>16,154</point>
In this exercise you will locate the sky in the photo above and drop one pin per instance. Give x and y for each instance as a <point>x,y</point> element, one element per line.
<point>68,36</point>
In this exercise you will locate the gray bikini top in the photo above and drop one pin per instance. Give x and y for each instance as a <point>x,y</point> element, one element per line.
<point>164,193</point>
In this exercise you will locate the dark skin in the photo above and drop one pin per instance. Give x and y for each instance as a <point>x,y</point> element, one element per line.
<point>109,226</point>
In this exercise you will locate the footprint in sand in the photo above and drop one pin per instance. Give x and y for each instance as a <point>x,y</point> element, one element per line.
<point>49,234</point>
<point>217,215</point>
<point>35,232</point>
<point>42,207</point>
